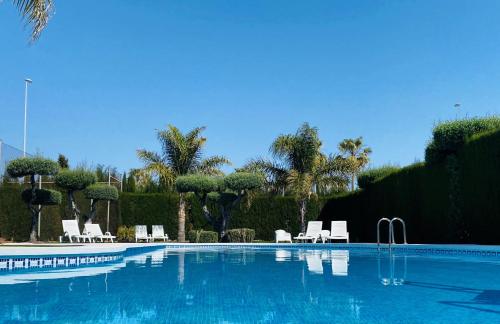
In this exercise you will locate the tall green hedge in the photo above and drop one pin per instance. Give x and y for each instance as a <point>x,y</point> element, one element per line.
<point>480,178</point>
<point>150,209</point>
<point>263,213</point>
<point>420,194</point>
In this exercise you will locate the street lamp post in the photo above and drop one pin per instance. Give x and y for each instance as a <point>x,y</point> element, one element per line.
<point>26,82</point>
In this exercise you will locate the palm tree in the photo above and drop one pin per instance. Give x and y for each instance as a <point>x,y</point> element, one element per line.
<point>181,154</point>
<point>35,13</point>
<point>300,167</point>
<point>355,155</point>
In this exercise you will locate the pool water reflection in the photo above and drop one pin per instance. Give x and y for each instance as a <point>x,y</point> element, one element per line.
<point>230,285</point>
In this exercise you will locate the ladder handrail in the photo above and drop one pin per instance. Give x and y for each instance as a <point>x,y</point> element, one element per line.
<point>378,230</point>
<point>391,230</point>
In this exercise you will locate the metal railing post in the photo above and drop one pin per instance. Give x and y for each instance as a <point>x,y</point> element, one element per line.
<point>378,231</point>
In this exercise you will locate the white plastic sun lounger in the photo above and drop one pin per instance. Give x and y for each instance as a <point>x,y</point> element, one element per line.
<point>94,230</point>
<point>282,236</point>
<point>141,233</point>
<point>340,262</point>
<point>313,232</point>
<point>339,231</point>
<point>159,233</point>
<point>72,231</point>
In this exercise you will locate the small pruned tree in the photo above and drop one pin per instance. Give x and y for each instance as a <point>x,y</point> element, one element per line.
<point>72,181</point>
<point>96,193</point>
<point>227,192</point>
<point>35,198</point>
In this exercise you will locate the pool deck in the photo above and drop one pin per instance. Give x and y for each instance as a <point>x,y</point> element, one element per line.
<point>28,249</point>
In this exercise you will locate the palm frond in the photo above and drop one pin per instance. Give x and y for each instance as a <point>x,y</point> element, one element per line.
<point>211,166</point>
<point>35,13</point>
<point>148,157</point>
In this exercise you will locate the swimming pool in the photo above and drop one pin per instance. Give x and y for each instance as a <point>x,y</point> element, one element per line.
<point>261,285</point>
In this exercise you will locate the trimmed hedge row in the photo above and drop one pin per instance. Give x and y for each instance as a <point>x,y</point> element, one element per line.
<point>480,183</point>
<point>369,176</point>
<point>421,195</point>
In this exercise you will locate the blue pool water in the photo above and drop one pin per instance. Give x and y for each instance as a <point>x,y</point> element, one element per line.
<point>230,285</point>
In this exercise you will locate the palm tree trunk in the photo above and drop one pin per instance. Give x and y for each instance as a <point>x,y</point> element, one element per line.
<point>181,234</point>
<point>303,209</point>
<point>352,182</point>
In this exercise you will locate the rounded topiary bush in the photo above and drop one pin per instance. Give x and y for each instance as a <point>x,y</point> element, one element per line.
<point>77,179</point>
<point>45,197</point>
<point>240,235</point>
<point>243,181</point>
<point>31,166</point>
<point>101,192</point>
<point>196,183</point>
<point>201,236</point>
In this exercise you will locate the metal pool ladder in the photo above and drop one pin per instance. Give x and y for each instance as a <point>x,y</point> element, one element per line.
<point>391,231</point>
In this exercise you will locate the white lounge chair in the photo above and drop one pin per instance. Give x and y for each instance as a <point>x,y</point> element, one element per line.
<point>72,231</point>
<point>340,262</point>
<point>282,236</point>
<point>141,233</point>
<point>339,231</point>
<point>313,232</point>
<point>158,233</point>
<point>94,230</point>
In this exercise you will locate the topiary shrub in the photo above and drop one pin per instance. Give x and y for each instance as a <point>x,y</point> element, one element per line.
<point>47,197</point>
<point>369,176</point>
<point>35,198</point>
<point>448,137</point>
<point>196,183</point>
<point>96,193</point>
<point>226,192</point>
<point>239,181</point>
<point>201,236</point>
<point>77,179</point>
<point>240,235</point>
<point>72,181</point>
<point>31,166</point>
<point>125,234</point>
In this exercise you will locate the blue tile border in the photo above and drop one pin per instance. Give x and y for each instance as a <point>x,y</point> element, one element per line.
<point>438,249</point>
<point>9,264</point>
<point>52,262</point>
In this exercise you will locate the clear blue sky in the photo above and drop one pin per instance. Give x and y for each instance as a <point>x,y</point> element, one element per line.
<point>108,73</point>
